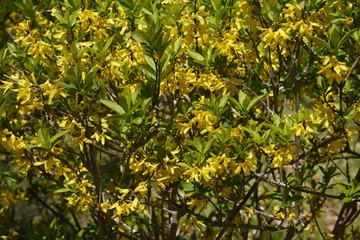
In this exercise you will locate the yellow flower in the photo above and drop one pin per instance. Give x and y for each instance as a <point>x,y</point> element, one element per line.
<point>184,127</point>
<point>101,137</point>
<point>40,49</point>
<point>9,197</point>
<point>281,154</point>
<point>335,146</point>
<point>206,172</point>
<point>272,39</point>
<point>197,204</point>
<point>247,165</point>
<point>292,12</point>
<point>12,143</point>
<point>250,212</point>
<point>142,189</point>
<point>194,173</point>
<point>301,129</point>
<point>123,192</point>
<point>7,85</point>
<point>332,69</point>
<point>278,212</point>
<point>204,119</point>
<point>105,206</point>
<point>52,90</point>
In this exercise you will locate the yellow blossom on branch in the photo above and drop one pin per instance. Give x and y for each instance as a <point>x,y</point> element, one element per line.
<point>332,69</point>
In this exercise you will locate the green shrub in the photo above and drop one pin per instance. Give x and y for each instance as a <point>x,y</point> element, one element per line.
<point>220,119</point>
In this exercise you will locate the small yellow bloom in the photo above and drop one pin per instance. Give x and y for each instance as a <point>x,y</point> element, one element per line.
<point>194,173</point>
<point>142,189</point>
<point>7,85</point>
<point>332,69</point>
<point>101,137</point>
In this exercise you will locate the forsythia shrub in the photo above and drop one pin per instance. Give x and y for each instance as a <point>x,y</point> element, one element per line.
<point>169,119</point>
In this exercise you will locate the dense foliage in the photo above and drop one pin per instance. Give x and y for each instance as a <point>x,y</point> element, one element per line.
<point>169,119</point>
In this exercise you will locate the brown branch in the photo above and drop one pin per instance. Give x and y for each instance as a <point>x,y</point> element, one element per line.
<point>348,214</point>
<point>303,190</point>
<point>236,210</point>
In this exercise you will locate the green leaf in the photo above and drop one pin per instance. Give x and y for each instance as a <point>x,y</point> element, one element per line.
<point>137,120</point>
<point>3,55</point>
<point>356,36</point>
<point>177,44</point>
<point>334,35</point>
<point>253,102</point>
<point>12,49</point>
<point>58,135</point>
<point>236,103</point>
<point>150,61</point>
<point>266,134</point>
<point>296,198</point>
<point>61,190</point>
<point>26,7</point>
<point>273,195</point>
<point>113,106</point>
<point>346,37</point>
<point>72,20</point>
<point>257,137</point>
<point>134,96</point>
<point>148,70</point>
<point>100,3</point>
<point>196,56</point>
<point>275,129</point>
<point>44,137</point>
<point>140,37</point>
<point>224,100</point>
<point>241,97</point>
<point>356,189</point>
<point>59,17</point>
<point>343,189</point>
<point>321,43</point>
<point>197,144</point>
<point>182,164</point>
<point>68,85</point>
<point>53,223</point>
<point>216,4</point>
<point>207,146</point>
<point>129,4</point>
<point>80,233</point>
<point>187,187</point>
<point>105,51</point>
<point>125,100</point>
<point>29,4</point>
<point>7,176</point>
<point>74,4</point>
